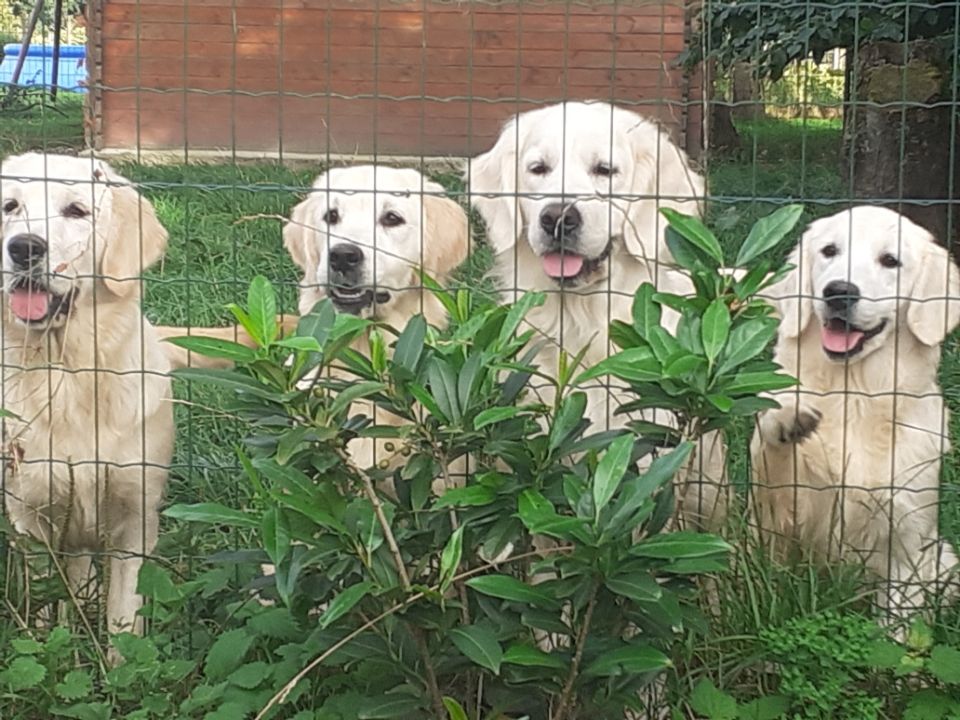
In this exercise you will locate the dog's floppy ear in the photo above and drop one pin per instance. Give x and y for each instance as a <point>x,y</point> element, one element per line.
<point>793,296</point>
<point>445,234</point>
<point>493,187</point>
<point>662,178</point>
<point>934,308</point>
<point>299,238</point>
<point>135,239</point>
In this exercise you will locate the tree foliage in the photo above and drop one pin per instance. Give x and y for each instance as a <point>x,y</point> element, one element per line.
<point>770,34</point>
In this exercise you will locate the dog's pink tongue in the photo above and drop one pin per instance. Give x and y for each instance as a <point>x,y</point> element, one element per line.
<point>839,340</point>
<point>562,265</point>
<point>28,305</point>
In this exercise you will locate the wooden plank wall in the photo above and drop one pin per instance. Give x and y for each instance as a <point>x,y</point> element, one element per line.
<point>427,77</point>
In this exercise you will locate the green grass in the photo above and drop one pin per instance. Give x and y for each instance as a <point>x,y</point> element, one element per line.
<point>31,122</point>
<point>224,230</point>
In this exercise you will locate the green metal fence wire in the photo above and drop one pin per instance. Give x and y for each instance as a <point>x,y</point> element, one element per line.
<point>223,205</point>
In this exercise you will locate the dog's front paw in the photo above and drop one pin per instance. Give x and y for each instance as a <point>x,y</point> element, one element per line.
<point>790,424</point>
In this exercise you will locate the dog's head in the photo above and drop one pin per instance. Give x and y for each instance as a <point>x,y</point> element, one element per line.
<point>863,272</point>
<point>71,225</point>
<point>363,231</point>
<point>572,179</point>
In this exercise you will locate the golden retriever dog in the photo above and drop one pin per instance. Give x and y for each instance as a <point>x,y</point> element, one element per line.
<point>848,467</point>
<point>360,238</point>
<point>571,197</point>
<point>84,374</point>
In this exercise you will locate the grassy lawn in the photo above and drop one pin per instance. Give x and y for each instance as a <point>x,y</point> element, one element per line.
<point>224,230</point>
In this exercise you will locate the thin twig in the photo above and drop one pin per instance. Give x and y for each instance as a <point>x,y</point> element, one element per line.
<point>371,493</point>
<point>577,658</point>
<point>281,696</point>
<point>101,656</point>
<point>432,686</point>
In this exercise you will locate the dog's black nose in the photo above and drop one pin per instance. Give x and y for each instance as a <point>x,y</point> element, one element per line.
<point>841,295</point>
<point>27,249</point>
<point>345,257</point>
<point>559,220</point>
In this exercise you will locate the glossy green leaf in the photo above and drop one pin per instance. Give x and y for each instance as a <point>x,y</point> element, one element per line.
<point>443,385</point>
<point>211,513</point>
<point>767,232</point>
<point>262,308</point>
<point>568,418</point>
<point>747,340</point>
<point>318,322</point>
<point>636,586</point>
<point>228,379</point>
<point>450,558</point>
<point>409,345</point>
<point>344,602</point>
<point>679,545</point>
<point>214,347</point>
<point>629,660</point>
<point>530,656</point>
<point>468,496</point>
<point>276,534</point>
<point>454,709</point>
<point>507,587</point>
<point>610,471</point>
<point>633,365</point>
<point>495,415</point>
<point>295,342</point>
<point>479,645</point>
<point>646,312</point>
<point>715,328</point>
<point>696,233</point>
<point>757,382</point>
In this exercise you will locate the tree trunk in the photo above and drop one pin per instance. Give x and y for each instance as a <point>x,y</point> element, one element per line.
<point>747,102</point>
<point>897,138</point>
<point>723,134</point>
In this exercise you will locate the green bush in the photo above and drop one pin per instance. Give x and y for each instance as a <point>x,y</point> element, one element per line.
<point>549,581</point>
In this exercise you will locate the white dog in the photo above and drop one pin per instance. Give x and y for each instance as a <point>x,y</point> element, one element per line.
<point>571,195</point>
<point>360,238</point>
<point>84,374</point>
<point>849,466</point>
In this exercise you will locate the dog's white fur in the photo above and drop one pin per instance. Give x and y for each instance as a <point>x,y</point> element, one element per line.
<point>618,169</point>
<point>89,450</point>
<point>849,466</point>
<point>433,236</point>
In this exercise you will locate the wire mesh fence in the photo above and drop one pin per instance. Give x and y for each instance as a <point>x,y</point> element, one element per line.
<point>342,148</point>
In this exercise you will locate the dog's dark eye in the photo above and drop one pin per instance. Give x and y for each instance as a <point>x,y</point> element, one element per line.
<point>391,219</point>
<point>75,210</point>
<point>830,251</point>
<point>331,217</point>
<point>889,261</point>
<point>539,168</point>
<point>10,206</point>
<point>602,169</point>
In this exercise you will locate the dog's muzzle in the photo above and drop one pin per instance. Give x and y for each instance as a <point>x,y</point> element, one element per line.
<point>345,287</point>
<point>28,296</point>
<point>562,224</point>
<point>840,337</point>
